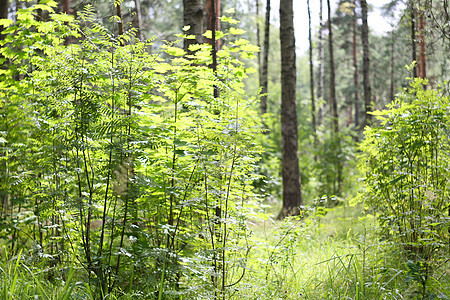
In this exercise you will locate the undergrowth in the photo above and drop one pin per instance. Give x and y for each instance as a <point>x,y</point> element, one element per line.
<point>329,254</point>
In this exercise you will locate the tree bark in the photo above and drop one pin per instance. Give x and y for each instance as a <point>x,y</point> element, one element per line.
<point>213,24</point>
<point>292,196</point>
<point>334,107</point>
<point>193,14</point>
<point>119,14</point>
<point>311,80</point>
<point>321,66</point>
<point>258,40</point>
<point>422,70</point>
<point>3,14</point>
<point>212,19</point>
<point>265,61</point>
<point>391,89</point>
<point>333,102</point>
<point>66,6</point>
<point>366,63</point>
<point>355,67</point>
<point>137,4</point>
<point>413,36</point>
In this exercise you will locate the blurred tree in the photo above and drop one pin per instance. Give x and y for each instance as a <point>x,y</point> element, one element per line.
<point>265,60</point>
<point>366,63</point>
<point>193,17</point>
<point>321,65</point>
<point>311,73</point>
<point>355,66</point>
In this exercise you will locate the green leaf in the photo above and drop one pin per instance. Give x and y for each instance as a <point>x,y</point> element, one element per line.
<point>175,51</point>
<point>236,31</point>
<point>5,22</point>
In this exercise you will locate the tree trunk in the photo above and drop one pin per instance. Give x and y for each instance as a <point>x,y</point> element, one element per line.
<point>66,6</point>
<point>413,36</point>
<point>3,15</point>
<point>321,67</point>
<point>292,196</point>
<point>212,19</point>
<point>366,63</point>
<point>193,13</point>
<point>355,66</point>
<point>4,193</point>
<point>422,71</point>
<point>391,90</point>
<point>213,24</point>
<point>311,81</point>
<point>137,3</point>
<point>265,61</point>
<point>258,40</point>
<point>334,107</point>
<point>119,15</point>
<point>333,102</point>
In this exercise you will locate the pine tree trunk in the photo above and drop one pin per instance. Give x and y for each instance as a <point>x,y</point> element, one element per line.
<point>193,14</point>
<point>66,6</point>
<point>321,67</point>
<point>213,24</point>
<point>119,15</point>
<point>292,196</point>
<point>421,40</point>
<point>391,91</point>
<point>137,4</point>
<point>3,15</point>
<point>366,63</point>
<point>258,40</point>
<point>4,167</point>
<point>413,36</point>
<point>333,102</point>
<point>334,107</point>
<point>355,67</point>
<point>311,80</point>
<point>265,61</point>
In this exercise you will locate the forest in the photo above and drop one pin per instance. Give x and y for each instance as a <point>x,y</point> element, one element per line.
<point>193,149</point>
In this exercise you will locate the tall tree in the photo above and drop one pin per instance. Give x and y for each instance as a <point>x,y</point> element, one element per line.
<point>258,39</point>
<point>355,67</point>
<point>66,6</point>
<point>213,24</point>
<point>333,106</point>
<point>413,35</point>
<point>3,13</point>
<point>366,63</point>
<point>311,80</point>
<point>137,4</point>
<point>292,195</point>
<point>193,14</point>
<point>265,61</point>
<point>421,66</point>
<point>332,97</point>
<point>321,64</point>
<point>3,179</point>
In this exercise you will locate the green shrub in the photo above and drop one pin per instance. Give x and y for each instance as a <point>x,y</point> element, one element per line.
<point>406,165</point>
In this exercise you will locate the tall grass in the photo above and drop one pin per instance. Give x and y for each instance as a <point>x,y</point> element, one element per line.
<point>332,254</point>
<point>329,254</point>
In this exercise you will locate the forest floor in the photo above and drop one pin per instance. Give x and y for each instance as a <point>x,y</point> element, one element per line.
<point>335,253</point>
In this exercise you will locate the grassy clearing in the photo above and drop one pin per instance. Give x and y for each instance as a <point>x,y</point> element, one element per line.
<point>334,254</point>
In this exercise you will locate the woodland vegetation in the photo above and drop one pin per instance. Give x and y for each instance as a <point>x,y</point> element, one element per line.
<point>157,150</point>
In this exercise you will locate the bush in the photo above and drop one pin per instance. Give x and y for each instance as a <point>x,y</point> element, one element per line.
<point>406,165</point>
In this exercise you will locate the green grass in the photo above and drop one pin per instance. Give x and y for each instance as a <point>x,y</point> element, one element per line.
<point>334,254</point>
<point>331,254</point>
